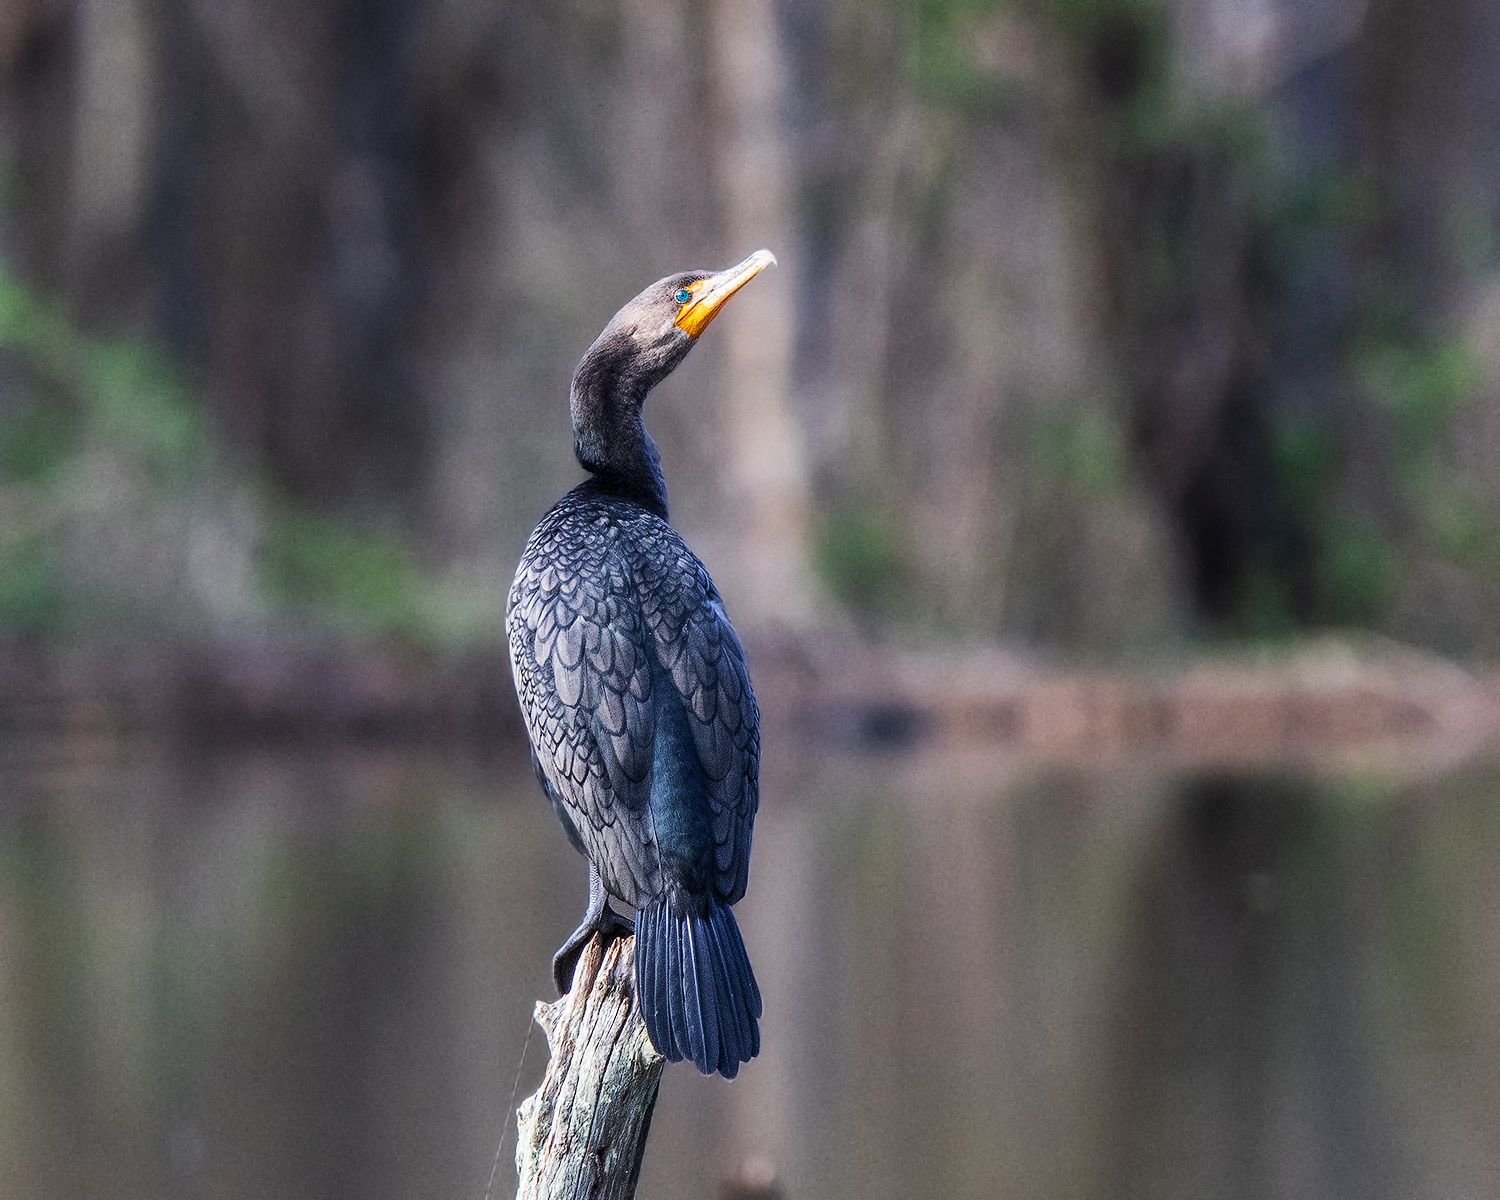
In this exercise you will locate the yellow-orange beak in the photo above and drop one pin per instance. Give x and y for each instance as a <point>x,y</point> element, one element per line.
<point>711,294</point>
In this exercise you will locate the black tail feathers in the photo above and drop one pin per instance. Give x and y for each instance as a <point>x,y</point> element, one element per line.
<point>695,987</point>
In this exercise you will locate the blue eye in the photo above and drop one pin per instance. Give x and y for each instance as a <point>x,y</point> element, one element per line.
<point>682,295</point>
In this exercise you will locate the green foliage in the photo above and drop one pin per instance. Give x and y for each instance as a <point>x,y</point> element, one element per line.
<point>123,392</point>
<point>1360,569</point>
<point>139,404</point>
<point>946,12</point>
<point>1423,386</point>
<point>1473,236</point>
<point>1463,532</point>
<point>946,73</point>
<point>1304,459</point>
<point>856,554</point>
<point>82,394</point>
<point>1080,451</point>
<point>1123,48</point>
<point>36,444</point>
<point>942,58</point>
<point>1265,607</point>
<point>37,440</point>
<point>30,594</point>
<point>1302,212</point>
<point>115,398</point>
<point>1079,17</point>
<point>315,565</point>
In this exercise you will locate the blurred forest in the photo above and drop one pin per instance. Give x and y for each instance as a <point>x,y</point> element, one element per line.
<point>1104,325</point>
<point>1112,342</point>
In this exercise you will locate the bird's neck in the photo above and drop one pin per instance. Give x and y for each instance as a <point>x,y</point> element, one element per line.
<point>610,438</point>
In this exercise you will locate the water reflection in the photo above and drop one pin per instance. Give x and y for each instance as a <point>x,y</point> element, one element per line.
<point>308,973</point>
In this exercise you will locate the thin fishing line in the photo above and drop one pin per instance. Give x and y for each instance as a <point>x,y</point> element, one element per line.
<point>510,1111</point>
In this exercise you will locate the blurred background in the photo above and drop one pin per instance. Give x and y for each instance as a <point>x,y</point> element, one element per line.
<point>1104,485</point>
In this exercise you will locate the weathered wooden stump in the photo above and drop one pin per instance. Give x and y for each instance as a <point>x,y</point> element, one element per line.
<point>583,1133</point>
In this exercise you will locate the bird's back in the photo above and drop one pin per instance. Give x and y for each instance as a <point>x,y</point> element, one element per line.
<point>636,699</point>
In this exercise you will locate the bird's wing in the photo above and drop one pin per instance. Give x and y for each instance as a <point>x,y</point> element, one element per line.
<point>581,657</point>
<point>702,654</point>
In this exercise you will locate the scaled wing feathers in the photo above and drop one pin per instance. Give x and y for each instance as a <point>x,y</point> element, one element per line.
<point>611,616</point>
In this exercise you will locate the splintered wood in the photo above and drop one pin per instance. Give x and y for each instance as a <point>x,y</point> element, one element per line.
<point>584,1131</point>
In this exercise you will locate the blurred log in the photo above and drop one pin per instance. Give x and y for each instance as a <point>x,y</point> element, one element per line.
<point>584,1131</point>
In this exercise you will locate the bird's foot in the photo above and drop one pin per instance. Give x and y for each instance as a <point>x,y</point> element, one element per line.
<point>608,925</point>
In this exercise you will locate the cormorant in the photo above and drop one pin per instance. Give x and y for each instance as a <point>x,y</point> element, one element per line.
<point>644,730</point>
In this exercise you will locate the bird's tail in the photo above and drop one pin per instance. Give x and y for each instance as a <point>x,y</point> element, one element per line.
<point>697,993</point>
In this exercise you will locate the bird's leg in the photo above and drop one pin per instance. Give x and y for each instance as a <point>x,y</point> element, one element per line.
<point>600,919</point>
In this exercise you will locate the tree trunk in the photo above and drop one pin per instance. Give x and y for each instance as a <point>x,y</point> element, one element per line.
<point>766,567</point>
<point>584,1131</point>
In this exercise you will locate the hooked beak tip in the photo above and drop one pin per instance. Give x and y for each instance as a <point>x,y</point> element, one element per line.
<point>695,318</point>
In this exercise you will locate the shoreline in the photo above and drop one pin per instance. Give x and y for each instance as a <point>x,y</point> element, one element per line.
<point>1324,700</point>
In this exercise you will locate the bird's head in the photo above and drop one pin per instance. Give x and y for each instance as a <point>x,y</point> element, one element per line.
<point>653,332</point>
<point>639,347</point>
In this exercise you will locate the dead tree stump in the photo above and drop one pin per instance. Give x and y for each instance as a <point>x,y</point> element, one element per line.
<point>583,1133</point>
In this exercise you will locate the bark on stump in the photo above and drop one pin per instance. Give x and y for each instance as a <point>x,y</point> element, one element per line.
<point>583,1133</point>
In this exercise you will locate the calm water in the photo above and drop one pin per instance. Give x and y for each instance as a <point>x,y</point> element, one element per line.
<point>308,974</point>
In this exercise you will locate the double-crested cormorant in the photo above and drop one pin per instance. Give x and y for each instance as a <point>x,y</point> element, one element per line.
<point>644,730</point>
